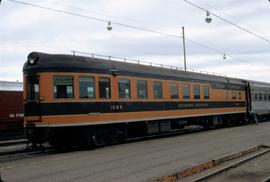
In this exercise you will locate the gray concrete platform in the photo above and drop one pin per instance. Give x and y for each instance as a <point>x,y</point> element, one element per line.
<point>138,161</point>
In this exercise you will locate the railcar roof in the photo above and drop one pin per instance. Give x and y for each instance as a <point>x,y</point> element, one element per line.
<point>259,86</point>
<point>72,63</point>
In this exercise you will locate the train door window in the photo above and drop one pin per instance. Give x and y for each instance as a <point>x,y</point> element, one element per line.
<point>142,89</point>
<point>196,91</point>
<point>265,96</point>
<point>227,94</point>
<point>33,88</point>
<point>174,90</point>
<point>63,87</point>
<point>87,87</point>
<point>104,88</point>
<point>206,92</point>
<point>186,91</point>
<point>233,95</point>
<point>124,88</point>
<point>157,90</point>
<point>239,95</point>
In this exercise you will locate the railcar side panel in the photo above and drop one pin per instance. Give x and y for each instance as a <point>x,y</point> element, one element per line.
<point>150,107</point>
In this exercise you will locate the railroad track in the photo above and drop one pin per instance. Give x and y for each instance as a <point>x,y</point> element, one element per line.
<point>209,169</point>
<point>5,143</point>
<point>220,169</point>
<point>266,179</point>
<point>12,135</point>
<point>24,152</point>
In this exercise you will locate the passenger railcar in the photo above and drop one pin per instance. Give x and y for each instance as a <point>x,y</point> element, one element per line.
<point>91,101</point>
<point>260,99</point>
<point>11,107</point>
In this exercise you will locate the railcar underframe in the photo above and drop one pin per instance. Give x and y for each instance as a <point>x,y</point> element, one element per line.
<point>96,135</point>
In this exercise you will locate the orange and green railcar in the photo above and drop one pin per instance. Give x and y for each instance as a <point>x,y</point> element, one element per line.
<point>75,100</point>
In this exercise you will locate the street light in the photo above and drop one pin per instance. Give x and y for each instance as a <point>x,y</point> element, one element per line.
<point>224,56</point>
<point>109,26</point>
<point>208,19</point>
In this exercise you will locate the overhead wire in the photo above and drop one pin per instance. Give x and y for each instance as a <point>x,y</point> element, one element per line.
<point>238,26</point>
<point>231,18</point>
<point>130,26</point>
<point>229,22</point>
<point>101,13</point>
<point>114,22</point>
<point>93,18</point>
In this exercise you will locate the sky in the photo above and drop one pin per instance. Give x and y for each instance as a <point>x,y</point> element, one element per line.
<point>24,29</point>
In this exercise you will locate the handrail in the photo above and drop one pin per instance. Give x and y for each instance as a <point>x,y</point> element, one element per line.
<point>112,58</point>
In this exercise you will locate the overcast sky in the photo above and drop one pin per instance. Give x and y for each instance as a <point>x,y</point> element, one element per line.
<point>24,29</point>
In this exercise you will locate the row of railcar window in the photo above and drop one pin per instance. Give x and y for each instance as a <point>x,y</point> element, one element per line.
<point>261,96</point>
<point>234,95</point>
<point>64,88</point>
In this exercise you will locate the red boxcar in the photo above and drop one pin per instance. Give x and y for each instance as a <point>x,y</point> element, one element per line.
<point>11,106</point>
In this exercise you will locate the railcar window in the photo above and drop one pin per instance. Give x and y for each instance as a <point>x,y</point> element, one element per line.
<point>206,92</point>
<point>196,91</point>
<point>157,90</point>
<point>233,95</point>
<point>269,97</point>
<point>186,91</point>
<point>260,96</point>
<point>87,87</point>
<point>256,96</point>
<point>239,95</point>
<point>63,87</point>
<point>174,90</point>
<point>104,88</point>
<point>265,96</point>
<point>142,89</point>
<point>124,88</point>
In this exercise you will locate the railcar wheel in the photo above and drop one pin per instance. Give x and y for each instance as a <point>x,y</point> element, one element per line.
<point>59,140</point>
<point>53,143</point>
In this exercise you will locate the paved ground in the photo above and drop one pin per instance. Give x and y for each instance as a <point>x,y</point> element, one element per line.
<point>255,170</point>
<point>138,161</point>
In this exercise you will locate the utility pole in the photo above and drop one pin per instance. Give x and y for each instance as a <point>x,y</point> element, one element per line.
<point>184,47</point>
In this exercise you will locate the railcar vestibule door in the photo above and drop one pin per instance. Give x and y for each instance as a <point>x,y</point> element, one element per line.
<point>33,88</point>
<point>32,105</point>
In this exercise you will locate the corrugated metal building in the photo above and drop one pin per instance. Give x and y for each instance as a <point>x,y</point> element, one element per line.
<point>11,86</point>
